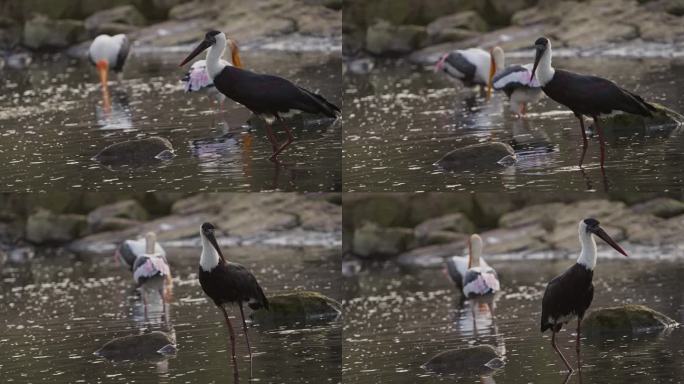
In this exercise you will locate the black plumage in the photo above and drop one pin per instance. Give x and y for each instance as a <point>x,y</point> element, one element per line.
<point>511,86</point>
<point>459,62</point>
<point>232,283</point>
<point>567,296</point>
<point>122,55</point>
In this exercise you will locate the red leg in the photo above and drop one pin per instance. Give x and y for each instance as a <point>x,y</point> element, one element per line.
<point>289,141</point>
<point>271,138</point>
<point>244,326</point>
<point>555,347</point>
<point>601,140</point>
<point>578,345</point>
<point>584,139</point>
<point>231,333</point>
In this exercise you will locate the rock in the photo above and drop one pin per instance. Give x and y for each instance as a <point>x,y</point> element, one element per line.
<point>299,306</point>
<point>478,157</point>
<point>520,239</point>
<point>117,216</point>
<point>431,256</point>
<point>371,240</point>
<point>333,4</point>
<point>664,207</point>
<point>458,26</point>
<point>45,227</point>
<point>383,38</point>
<point>43,33</point>
<point>115,20</point>
<point>500,12</point>
<point>192,10</point>
<point>455,222</point>
<point>544,214</point>
<point>628,318</point>
<point>151,345</point>
<point>664,119</point>
<point>489,207</point>
<point>427,205</point>
<point>384,209</point>
<point>440,237</point>
<point>675,7</point>
<point>139,152</point>
<point>472,361</point>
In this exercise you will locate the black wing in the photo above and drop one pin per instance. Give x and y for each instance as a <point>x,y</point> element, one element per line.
<point>460,63</point>
<point>123,55</point>
<point>592,95</point>
<point>454,273</point>
<point>567,294</point>
<point>127,254</point>
<point>269,94</point>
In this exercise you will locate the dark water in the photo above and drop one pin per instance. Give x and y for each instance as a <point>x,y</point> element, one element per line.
<point>396,322</point>
<point>400,120</point>
<point>56,312</point>
<point>52,122</point>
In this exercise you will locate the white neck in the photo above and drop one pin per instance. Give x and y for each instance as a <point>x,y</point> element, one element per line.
<point>210,257</point>
<point>214,66</point>
<point>587,256</point>
<point>150,242</point>
<point>545,71</point>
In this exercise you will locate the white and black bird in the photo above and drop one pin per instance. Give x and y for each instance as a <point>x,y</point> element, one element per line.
<point>569,295</point>
<point>108,53</point>
<point>226,282</point>
<point>473,66</point>
<point>517,83</point>
<point>471,274</point>
<point>147,260</point>
<point>584,95</point>
<point>266,96</point>
<point>197,78</point>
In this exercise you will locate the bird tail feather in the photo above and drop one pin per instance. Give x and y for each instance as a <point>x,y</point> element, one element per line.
<point>327,108</point>
<point>650,108</point>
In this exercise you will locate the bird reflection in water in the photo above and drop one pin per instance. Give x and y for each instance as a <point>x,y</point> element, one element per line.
<point>115,112</point>
<point>230,146</point>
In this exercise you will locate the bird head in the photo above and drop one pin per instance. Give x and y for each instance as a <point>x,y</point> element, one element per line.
<point>207,233</point>
<point>211,38</point>
<point>440,63</point>
<point>592,226</point>
<point>540,46</point>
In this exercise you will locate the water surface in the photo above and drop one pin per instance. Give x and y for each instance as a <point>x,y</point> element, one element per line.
<point>399,120</point>
<point>54,313</point>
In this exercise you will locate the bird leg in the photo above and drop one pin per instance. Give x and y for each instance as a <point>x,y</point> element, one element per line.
<point>578,345</point>
<point>144,299</point>
<point>271,138</point>
<point>601,140</point>
<point>231,333</point>
<point>585,143</point>
<point>244,326</point>
<point>163,300</point>
<point>289,141</point>
<point>555,347</point>
<point>522,109</point>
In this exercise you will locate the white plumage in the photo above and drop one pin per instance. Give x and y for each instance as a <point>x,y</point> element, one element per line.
<point>111,49</point>
<point>197,79</point>
<point>516,82</point>
<point>473,66</point>
<point>471,273</point>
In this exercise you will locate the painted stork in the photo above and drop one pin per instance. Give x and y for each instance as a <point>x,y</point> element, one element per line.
<point>266,96</point>
<point>108,53</point>
<point>472,275</point>
<point>584,95</point>
<point>147,260</point>
<point>569,295</point>
<point>519,85</point>
<point>473,66</point>
<point>197,78</point>
<point>226,282</point>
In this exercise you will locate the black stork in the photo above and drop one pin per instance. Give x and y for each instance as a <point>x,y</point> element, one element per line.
<point>108,53</point>
<point>473,66</point>
<point>472,275</point>
<point>569,294</point>
<point>226,282</point>
<point>584,95</point>
<point>266,96</point>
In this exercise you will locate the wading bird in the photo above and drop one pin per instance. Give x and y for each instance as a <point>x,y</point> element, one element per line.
<point>226,282</point>
<point>569,295</point>
<point>472,275</point>
<point>473,66</point>
<point>518,84</point>
<point>584,95</point>
<point>197,78</point>
<point>108,53</point>
<point>266,96</point>
<point>147,260</point>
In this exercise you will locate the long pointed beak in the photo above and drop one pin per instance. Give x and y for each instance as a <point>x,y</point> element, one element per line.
<point>492,71</point>
<point>604,236</point>
<point>102,68</point>
<point>537,57</point>
<point>199,49</point>
<point>440,62</point>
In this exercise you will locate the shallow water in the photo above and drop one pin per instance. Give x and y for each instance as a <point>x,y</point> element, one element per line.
<point>53,121</point>
<point>399,120</point>
<point>54,313</point>
<point>395,322</point>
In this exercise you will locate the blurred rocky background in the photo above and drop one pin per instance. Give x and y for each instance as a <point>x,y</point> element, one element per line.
<point>54,25</point>
<point>421,27</point>
<point>421,230</point>
<point>93,223</point>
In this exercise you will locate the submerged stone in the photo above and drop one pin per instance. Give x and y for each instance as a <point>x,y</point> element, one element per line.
<point>478,157</point>
<point>664,119</point>
<point>138,347</point>
<point>298,306</point>
<point>478,360</point>
<point>136,152</point>
<point>628,318</point>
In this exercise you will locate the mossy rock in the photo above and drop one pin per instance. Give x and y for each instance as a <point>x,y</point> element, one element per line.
<point>664,119</point>
<point>148,346</point>
<point>472,361</point>
<point>140,152</point>
<point>478,157</point>
<point>625,319</point>
<point>299,306</point>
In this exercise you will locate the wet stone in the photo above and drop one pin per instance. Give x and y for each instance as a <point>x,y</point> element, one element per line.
<point>625,319</point>
<point>153,345</point>
<point>136,152</point>
<point>478,156</point>
<point>472,361</point>
<point>300,306</point>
